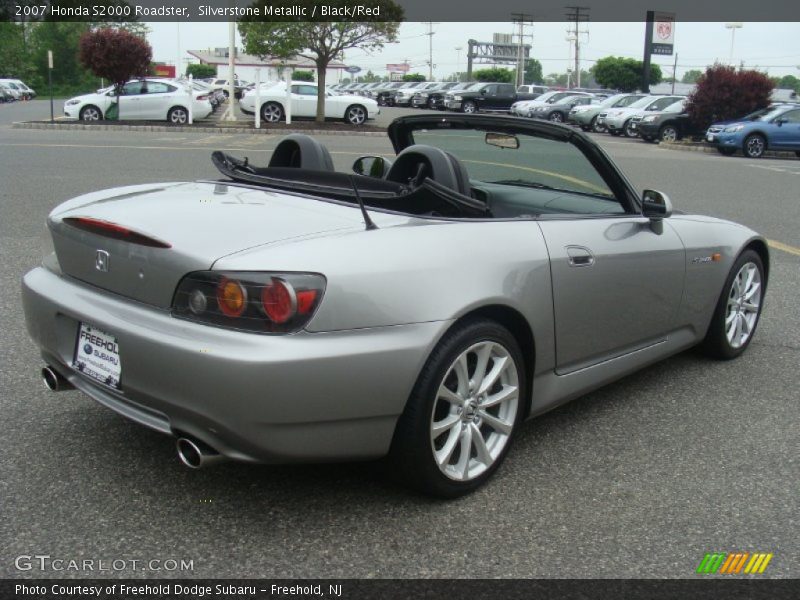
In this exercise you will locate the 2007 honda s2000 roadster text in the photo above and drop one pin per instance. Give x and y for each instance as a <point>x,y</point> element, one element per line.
<point>421,307</point>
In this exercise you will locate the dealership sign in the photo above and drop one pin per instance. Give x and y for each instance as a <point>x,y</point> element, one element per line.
<point>353,69</point>
<point>663,33</point>
<point>398,68</point>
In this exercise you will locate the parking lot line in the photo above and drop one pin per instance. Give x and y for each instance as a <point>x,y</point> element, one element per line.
<point>785,247</point>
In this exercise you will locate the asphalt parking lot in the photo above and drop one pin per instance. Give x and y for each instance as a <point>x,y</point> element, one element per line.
<point>639,479</point>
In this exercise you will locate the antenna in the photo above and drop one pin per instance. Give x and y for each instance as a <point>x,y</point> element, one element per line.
<point>367,219</point>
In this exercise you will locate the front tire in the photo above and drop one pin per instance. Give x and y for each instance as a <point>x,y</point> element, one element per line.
<point>271,112</point>
<point>597,127</point>
<point>738,308</point>
<point>754,146</point>
<point>556,117</point>
<point>90,113</point>
<point>469,107</point>
<point>355,115</point>
<point>463,412</point>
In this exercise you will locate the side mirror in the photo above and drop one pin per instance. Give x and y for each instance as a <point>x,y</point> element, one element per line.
<point>656,205</point>
<point>780,121</point>
<point>372,166</point>
<point>483,92</point>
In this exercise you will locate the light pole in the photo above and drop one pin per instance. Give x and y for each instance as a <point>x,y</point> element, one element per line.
<point>458,61</point>
<point>733,27</point>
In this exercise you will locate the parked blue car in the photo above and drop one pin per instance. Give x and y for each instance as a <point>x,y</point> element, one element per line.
<point>778,128</point>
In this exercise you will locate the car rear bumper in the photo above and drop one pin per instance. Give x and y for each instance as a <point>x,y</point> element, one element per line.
<point>307,397</point>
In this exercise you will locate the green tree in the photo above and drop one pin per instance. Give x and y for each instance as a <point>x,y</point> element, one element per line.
<point>413,77</point>
<point>789,82</point>
<point>320,41</point>
<point>303,76</point>
<point>624,74</point>
<point>691,76</point>
<point>533,71</point>
<point>495,75</point>
<point>200,71</point>
<point>370,77</point>
<point>14,60</point>
<point>63,38</point>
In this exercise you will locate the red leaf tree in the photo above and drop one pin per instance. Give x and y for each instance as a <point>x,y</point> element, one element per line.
<point>723,93</point>
<point>115,54</point>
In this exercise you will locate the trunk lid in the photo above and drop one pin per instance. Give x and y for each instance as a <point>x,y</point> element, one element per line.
<point>198,222</point>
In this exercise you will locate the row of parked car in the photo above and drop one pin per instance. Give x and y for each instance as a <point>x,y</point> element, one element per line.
<point>12,90</point>
<point>664,118</point>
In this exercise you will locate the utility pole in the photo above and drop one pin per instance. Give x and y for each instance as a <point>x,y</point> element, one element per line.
<point>578,15</point>
<point>430,49</point>
<point>522,20</point>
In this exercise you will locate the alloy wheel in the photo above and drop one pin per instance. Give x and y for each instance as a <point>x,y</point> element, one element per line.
<point>669,134</point>
<point>178,116</point>
<point>474,411</point>
<point>469,107</point>
<point>744,301</point>
<point>90,113</point>
<point>272,113</point>
<point>754,146</point>
<point>556,117</point>
<point>356,115</point>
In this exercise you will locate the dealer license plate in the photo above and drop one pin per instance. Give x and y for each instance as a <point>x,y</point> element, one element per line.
<point>97,355</point>
<point>710,137</point>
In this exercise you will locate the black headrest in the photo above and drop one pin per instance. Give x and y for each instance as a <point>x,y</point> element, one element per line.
<point>301,152</point>
<point>440,166</point>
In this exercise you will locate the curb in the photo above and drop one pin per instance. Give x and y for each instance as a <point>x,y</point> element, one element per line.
<point>713,150</point>
<point>190,129</point>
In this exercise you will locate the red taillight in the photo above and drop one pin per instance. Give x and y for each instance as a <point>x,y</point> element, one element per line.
<point>279,301</point>
<point>231,297</point>
<point>112,230</point>
<point>305,301</point>
<point>202,97</point>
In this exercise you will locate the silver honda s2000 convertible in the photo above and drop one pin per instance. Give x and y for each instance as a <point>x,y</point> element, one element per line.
<point>420,308</point>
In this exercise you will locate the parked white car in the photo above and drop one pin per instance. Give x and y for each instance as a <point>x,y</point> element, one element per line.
<point>143,99</point>
<point>619,120</point>
<point>352,109</point>
<point>19,89</point>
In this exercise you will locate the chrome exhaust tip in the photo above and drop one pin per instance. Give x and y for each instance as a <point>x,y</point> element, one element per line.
<point>55,381</point>
<point>195,454</point>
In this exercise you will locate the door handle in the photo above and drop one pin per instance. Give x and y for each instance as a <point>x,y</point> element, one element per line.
<point>580,256</point>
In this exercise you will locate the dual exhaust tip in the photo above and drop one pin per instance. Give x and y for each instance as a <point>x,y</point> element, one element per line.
<point>192,453</point>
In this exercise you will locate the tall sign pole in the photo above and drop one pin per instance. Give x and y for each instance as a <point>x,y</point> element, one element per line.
<point>648,40</point>
<point>50,82</point>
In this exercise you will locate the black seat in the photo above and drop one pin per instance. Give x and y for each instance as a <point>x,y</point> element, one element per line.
<point>300,151</point>
<point>417,162</point>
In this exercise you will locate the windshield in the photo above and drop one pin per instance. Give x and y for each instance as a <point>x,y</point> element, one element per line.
<point>676,107</point>
<point>547,95</point>
<point>641,102</point>
<point>534,163</point>
<point>766,114</point>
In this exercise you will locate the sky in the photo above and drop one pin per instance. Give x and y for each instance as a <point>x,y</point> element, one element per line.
<point>774,47</point>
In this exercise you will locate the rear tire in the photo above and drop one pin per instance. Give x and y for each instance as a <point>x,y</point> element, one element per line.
<point>556,117</point>
<point>178,115</point>
<point>738,309</point>
<point>460,420</point>
<point>271,112</point>
<point>629,132</point>
<point>668,133</point>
